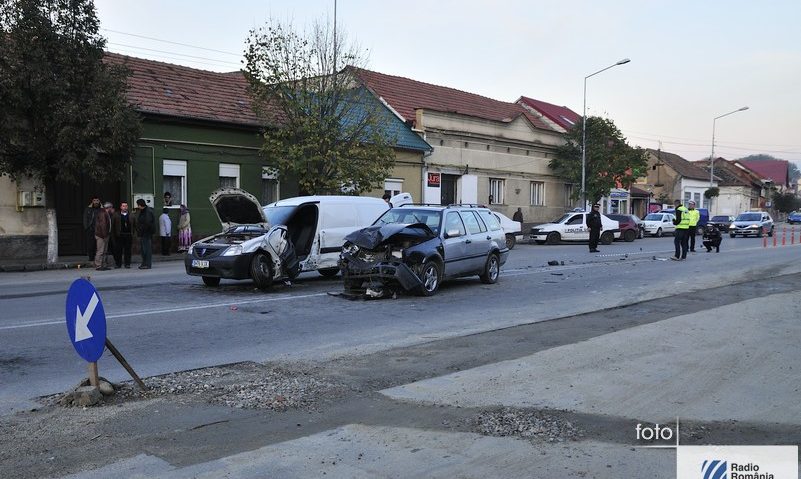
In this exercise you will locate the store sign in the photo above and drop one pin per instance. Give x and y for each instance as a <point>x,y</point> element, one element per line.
<point>434,180</point>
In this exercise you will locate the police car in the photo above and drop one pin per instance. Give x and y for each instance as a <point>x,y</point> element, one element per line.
<point>573,227</point>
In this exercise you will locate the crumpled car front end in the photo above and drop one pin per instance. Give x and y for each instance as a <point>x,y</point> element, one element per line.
<point>378,258</point>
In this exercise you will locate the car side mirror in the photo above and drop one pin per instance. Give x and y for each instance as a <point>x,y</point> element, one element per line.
<point>452,233</point>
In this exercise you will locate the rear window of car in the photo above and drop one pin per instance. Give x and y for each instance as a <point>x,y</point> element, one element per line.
<point>490,220</point>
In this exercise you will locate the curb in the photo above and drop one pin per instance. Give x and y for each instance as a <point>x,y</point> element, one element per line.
<point>39,266</point>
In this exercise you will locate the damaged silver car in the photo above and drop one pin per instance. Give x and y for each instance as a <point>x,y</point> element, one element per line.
<point>415,248</point>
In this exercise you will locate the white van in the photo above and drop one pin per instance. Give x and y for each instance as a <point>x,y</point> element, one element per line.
<point>282,239</point>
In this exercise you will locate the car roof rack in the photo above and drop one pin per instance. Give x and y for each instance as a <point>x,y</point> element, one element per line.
<point>466,205</point>
<point>420,204</point>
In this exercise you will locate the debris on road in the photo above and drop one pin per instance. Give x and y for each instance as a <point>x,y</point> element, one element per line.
<point>526,424</point>
<point>553,262</point>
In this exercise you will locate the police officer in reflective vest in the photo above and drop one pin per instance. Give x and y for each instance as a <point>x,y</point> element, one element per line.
<point>680,237</point>
<point>695,217</point>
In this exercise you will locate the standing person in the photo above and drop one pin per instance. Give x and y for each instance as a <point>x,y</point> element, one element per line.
<point>165,231</point>
<point>102,234</point>
<point>122,232</point>
<point>386,197</point>
<point>145,227</point>
<point>184,230</point>
<point>680,237</point>
<point>89,226</point>
<point>594,224</point>
<point>518,216</point>
<point>694,216</point>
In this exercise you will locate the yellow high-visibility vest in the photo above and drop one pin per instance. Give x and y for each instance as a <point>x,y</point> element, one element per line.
<point>695,217</point>
<point>684,224</point>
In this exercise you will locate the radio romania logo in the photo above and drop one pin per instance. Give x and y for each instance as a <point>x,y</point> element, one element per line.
<point>714,469</point>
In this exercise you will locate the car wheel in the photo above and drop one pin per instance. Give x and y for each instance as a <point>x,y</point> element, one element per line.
<point>261,271</point>
<point>553,238</point>
<point>511,241</point>
<point>431,276</point>
<point>658,233</point>
<point>607,237</point>
<point>492,269</point>
<point>211,281</point>
<point>629,236</point>
<point>328,272</point>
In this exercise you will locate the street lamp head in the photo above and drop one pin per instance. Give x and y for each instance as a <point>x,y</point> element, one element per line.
<point>626,60</point>
<point>743,108</point>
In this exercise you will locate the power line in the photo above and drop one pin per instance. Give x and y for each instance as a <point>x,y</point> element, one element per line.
<point>171,42</point>
<point>173,53</point>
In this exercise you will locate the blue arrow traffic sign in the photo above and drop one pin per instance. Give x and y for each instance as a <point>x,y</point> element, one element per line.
<point>86,320</point>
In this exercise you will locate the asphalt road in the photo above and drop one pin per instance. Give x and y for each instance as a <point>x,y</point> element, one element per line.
<point>163,320</point>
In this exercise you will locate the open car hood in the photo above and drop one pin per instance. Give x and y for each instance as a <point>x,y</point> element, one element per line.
<point>375,236</point>
<point>235,206</point>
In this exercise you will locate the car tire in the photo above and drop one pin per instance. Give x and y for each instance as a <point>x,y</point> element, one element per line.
<point>629,236</point>
<point>328,272</point>
<point>607,237</point>
<point>431,276</point>
<point>261,271</point>
<point>511,241</point>
<point>211,281</point>
<point>658,233</point>
<point>553,238</point>
<point>492,269</point>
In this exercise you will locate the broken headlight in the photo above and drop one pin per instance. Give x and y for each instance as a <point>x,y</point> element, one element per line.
<point>397,253</point>
<point>350,249</point>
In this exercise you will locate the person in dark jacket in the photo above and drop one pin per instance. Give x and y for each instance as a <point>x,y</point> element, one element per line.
<point>145,227</point>
<point>89,226</point>
<point>595,226</point>
<point>102,235</point>
<point>122,232</point>
<point>712,238</point>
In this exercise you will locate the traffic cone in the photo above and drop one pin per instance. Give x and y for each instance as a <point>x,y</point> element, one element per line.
<point>792,235</point>
<point>774,240</point>
<point>764,241</point>
<point>784,236</point>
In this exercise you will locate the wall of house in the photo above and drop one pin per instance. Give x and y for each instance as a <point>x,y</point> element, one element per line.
<point>408,167</point>
<point>481,150</point>
<point>696,189</point>
<point>23,230</point>
<point>733,200</point>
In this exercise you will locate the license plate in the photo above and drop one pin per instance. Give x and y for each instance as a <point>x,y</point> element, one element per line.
<point>200,263</point>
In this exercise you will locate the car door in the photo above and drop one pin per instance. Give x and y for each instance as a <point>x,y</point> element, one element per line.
<point>454,242</point>
<point>667,224</point>
<point>478,241</point>
<point>575,228</point>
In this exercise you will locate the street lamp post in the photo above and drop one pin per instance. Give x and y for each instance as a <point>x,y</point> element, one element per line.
<point>712,156</point>
<point>584,133</point>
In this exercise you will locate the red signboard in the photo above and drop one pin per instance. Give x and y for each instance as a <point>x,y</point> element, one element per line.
<point>434,180</point>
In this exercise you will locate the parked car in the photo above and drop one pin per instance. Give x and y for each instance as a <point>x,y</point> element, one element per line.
<point>754,223</point>
<point>629,225</point>
<point>418,247</point>
<point>722,222</point>
<point>658,224</point>
<point>794,217</point>
<point>573,227</point>
<point>280,240</point>
<point>512,229</point>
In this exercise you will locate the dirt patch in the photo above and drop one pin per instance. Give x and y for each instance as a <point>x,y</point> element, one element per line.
<point>535,426</point>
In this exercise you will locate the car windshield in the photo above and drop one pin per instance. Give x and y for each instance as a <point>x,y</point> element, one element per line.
<point>278,215</point>
<point>720,218</point>
<point>749,217</point>
<point>653,217</point>
<point>407,216</point>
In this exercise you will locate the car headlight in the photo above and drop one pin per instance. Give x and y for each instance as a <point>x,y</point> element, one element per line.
<point>191,250</point>
<point>754,226</point>
<point>350,249</point>
<point>397,253</point>
<point>731,226</point>
<point>234,250</point>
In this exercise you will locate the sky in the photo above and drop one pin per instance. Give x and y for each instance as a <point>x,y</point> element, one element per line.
<point>691,61</point>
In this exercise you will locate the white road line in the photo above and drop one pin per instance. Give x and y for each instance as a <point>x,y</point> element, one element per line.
<point>48,322</point>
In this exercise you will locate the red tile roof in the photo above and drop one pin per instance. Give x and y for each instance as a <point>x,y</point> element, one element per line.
<point>680,165</point>
<point>775,170</point>
<point>172,90</point>
<point>405,96</point>
<point>729,174</point>
<point>561,115</point>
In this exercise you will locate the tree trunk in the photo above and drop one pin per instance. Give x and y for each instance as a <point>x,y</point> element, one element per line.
<point>52,236</point>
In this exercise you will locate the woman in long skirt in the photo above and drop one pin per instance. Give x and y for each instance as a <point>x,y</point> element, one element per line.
<point>184,230</point>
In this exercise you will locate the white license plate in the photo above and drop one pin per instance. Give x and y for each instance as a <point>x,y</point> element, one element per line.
<point>200,263</point>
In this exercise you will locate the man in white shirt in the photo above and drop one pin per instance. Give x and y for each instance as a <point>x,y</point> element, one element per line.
<point>165,231</point>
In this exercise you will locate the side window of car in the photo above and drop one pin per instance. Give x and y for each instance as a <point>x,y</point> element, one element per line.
<point>492,221</point>
<point>453,224</point>
<point>472,223</point>
<point>575,220</point>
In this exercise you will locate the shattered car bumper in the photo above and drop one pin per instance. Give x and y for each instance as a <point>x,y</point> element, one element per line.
<point>383,272</point>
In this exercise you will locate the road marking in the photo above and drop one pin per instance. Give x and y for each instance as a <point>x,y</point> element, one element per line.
<point>48,322</point>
